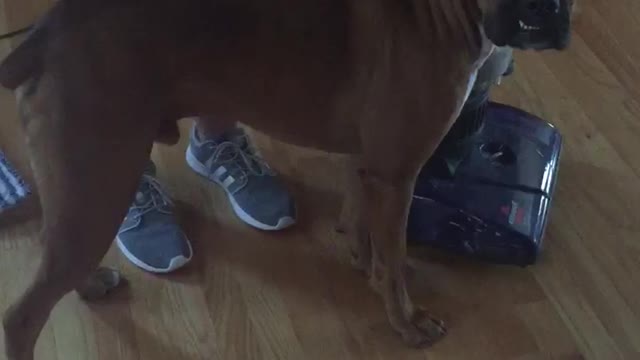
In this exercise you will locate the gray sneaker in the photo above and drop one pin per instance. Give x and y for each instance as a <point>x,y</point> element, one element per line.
<point>257,196</point>
<point>149,235</point>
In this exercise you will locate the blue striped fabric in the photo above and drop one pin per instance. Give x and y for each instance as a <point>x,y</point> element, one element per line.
<point>12,188</point>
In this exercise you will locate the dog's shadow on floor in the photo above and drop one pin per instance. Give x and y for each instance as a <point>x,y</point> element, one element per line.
<point>135,337</point>
<point>307,265</point>
<point>287,259</point>
<point>294,262</point>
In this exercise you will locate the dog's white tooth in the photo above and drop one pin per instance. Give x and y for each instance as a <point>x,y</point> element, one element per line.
<point>526,27</point>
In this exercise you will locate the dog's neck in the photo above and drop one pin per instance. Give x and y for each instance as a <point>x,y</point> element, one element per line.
<point>454,18</point>
<point>445,18</point>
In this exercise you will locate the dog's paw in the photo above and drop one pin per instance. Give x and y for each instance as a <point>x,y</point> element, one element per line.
<point>423,330</point>
<point>99,284</point>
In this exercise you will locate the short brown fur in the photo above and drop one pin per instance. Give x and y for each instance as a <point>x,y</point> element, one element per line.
<point>381,79</point>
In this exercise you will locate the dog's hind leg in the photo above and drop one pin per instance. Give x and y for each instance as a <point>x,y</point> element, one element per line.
<point>352,221</point>
<point>88,151</point>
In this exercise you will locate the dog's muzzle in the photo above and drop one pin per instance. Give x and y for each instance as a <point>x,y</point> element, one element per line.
<point>542,24</point>
<point>531,24</point>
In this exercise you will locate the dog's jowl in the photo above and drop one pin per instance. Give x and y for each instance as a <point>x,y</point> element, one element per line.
<point>380,79</point>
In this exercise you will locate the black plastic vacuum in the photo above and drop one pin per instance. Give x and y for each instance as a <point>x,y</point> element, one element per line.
<point>487,191</point>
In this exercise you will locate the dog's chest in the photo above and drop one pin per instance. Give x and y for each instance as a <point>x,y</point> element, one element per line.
<point>473,77</point>
<point>472,80</point>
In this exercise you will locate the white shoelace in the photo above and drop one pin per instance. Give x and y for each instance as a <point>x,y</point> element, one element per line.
<point>158,198</point>
<point>232,152</point>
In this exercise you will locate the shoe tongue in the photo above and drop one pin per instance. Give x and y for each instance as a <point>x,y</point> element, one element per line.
<point>143,195</point>
<point>236,136</point>
<point>150,169</point>
<point>241,142</point>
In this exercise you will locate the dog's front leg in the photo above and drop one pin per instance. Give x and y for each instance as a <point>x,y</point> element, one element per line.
<point>399,134</point>
<point>388,202</point>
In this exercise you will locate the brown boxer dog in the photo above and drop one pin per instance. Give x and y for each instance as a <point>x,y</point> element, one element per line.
<point>98,81</point>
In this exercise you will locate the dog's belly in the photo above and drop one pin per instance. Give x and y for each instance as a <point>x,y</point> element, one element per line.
<point>312,134</point>
<point>291,118</point>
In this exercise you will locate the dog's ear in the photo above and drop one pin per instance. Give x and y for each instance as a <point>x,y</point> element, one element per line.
<point>24,62</point>
<point>488,6</point>
<point>27,59</point>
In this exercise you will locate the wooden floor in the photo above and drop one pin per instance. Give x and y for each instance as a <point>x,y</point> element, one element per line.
<point>292,295</point>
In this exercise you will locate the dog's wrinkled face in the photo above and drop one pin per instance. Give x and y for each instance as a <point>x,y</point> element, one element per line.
<point>528,24</point>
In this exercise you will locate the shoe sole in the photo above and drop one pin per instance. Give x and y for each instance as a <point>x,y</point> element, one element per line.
<point>175,263</point>
<point>202,170</point>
